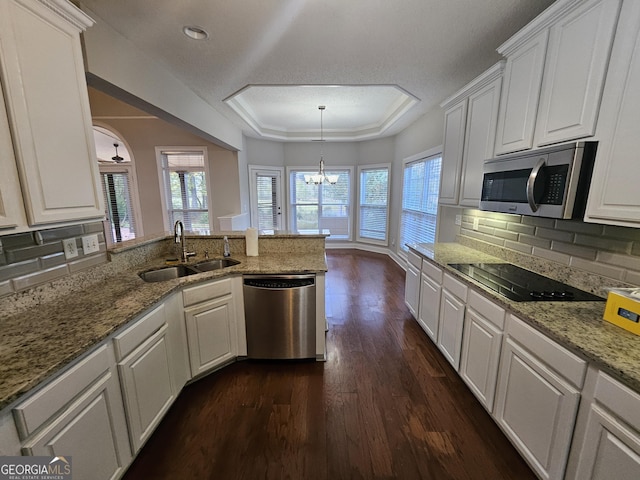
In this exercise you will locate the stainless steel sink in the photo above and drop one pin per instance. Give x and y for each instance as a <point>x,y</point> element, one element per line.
<point>209,265</point>
<point>178,271</point>
<point>167,273</point>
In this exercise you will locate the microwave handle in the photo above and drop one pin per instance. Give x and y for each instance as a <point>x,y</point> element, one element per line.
<point>531,183</point>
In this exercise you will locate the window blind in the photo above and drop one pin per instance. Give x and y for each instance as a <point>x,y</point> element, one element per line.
<point>373,208</point>
<point>186,191</point>
<point>267,202</point>
<point>116,189</point>
<point>420,188</point>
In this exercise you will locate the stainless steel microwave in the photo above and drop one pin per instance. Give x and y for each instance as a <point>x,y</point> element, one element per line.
<point>550,182</point>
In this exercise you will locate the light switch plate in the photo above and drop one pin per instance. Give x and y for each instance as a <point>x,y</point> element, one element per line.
<point>458,220</point>
<point>90,244</point>
<point>476,223</point>
<point>70,248</point>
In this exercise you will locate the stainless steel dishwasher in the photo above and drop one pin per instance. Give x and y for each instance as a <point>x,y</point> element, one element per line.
<point>280,313</point>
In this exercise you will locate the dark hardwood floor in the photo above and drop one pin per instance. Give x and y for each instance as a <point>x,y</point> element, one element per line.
<point>385,404</point>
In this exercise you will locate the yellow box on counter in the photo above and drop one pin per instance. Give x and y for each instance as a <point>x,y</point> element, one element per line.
<point>623,309</point>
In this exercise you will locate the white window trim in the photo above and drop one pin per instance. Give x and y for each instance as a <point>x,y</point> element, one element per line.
<point>314,169</point>
<point>418,156</point>
<point>253,200</point>
<point>376,166</point>
<point>163,196</point>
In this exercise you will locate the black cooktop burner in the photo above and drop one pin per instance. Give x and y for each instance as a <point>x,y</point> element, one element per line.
<point>522,285</point>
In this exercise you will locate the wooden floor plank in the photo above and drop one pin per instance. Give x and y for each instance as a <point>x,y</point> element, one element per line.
<point>385,404</point>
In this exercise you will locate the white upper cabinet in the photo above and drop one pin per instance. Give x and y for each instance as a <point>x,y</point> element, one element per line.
<point>555,73</point>
<point>520,94</point>
<point>45,92</point>
<point>614,197</point>
<point>454,122</point>
<point>11,206</point>
<point>574,74</point>
<point>480,136</point>
<point>469,136</point>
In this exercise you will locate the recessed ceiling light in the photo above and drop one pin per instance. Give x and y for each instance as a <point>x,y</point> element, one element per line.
<point>194,32</point>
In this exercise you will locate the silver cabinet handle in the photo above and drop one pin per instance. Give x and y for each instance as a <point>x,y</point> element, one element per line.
<point>531,183</point>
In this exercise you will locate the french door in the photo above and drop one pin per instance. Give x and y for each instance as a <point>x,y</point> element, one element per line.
<point>266,197</point>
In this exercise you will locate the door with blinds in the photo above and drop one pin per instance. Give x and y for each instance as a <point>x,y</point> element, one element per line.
<point>266,198</point>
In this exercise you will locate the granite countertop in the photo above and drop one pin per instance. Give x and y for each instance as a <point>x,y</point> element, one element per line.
<point>579,326</point>
<point>38,342</point>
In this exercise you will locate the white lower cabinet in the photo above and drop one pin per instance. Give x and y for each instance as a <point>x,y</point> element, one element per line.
<point>429,312</point>
<point>451,321</point>
<point>148,386</point>
<point>412,283</point>
<point>79,414</point>
<point>482,342</point>
<point>609,446</point>
<point>538,396</point>
<point>211,326</point>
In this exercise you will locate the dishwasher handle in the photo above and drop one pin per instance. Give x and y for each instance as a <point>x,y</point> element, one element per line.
<point>279,283</point>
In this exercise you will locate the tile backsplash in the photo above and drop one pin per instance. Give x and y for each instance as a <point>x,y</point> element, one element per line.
<point>605,250</point>
<point>32,258</point>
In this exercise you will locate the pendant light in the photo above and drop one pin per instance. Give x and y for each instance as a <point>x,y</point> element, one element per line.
<point>320,177</point>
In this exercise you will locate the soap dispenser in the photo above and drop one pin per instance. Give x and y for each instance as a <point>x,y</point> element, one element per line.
<point>227,250</point>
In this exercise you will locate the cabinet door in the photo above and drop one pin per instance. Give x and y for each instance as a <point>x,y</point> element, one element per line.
<point>211,334</point>
<point>450,327</point>
<point>611,449</point>
<point>148,387</point>
<point>412,289</point>
<point>536,408</point>
<point>454,125</point>
<point>480,357</point>
<point>429,312</point>
<point>11,206</point>
<point>575,69</point>
<point>520,95</point>
<point>614,196</point>
<point>480,137</point>
<point>47,102</point>
<point>89,431</point>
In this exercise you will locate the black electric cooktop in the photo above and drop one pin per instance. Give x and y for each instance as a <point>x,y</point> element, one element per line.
<point>522,285</point>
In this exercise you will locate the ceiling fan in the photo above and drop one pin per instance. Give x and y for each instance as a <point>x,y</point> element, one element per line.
<point>117,158</point>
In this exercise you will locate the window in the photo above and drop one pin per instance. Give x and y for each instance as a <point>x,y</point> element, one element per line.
<point>116,187</point>
<point>186,192</point>
<point>420,188</point>
<point>373,212</point>
<point>320,207</point>
<point>117,176</point>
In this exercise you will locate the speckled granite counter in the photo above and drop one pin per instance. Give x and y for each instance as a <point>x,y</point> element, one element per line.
<point>576,325</point>
<point>38,341</point>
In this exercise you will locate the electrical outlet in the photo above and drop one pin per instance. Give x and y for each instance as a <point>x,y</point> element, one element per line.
<point>90,244</point>
<point>458,220</point>
<point>476,223</point>
<point>70,248</point>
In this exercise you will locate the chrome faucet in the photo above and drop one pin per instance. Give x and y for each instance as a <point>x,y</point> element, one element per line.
<point>185,255</point>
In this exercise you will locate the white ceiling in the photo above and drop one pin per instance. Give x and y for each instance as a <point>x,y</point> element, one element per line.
<point>268,64</point>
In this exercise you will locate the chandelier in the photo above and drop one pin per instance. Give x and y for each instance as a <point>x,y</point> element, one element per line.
<point>321,177</point>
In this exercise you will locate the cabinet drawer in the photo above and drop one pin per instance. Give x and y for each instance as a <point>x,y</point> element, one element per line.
<point>207,291</point>
<point>431,271</point>
<point>485,307</point>
<point>414,259</point>
<point>454,286</point>
<point>142,329</point>
<point>618,398</point>
<point>40,407</point>
<point>570,366</point>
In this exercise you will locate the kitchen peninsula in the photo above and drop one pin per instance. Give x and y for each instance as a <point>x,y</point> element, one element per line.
<point>48,327</point>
